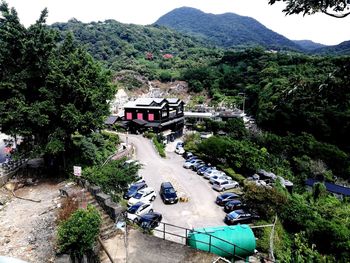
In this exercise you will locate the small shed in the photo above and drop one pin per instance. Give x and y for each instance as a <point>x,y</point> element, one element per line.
<point>225,241</point>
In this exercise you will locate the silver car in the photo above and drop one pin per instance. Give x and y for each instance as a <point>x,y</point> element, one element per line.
<point>210,173</point>
<point>216,177</point>
<point>222,185</point>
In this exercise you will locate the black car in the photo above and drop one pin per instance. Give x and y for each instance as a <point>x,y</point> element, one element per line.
<point>168,193</point>
<point>133,189</point>
<point>233,205</point>
<point>239,217</point>
<point>224,198</point>
<point>150,220</point>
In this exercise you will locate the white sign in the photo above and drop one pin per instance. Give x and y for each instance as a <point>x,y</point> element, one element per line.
<point>77,170</point>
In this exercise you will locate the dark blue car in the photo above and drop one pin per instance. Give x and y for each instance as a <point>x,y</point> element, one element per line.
<point>133,189</point>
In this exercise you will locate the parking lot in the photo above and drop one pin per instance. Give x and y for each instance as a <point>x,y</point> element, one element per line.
<point>200,210</point>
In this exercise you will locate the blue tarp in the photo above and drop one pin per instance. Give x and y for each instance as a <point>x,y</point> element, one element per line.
<point>333,188</point>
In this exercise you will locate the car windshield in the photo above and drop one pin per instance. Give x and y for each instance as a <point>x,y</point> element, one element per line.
<point>226,195</point>
<point>169,191</point>
<point>233,215</point>
<point>134,208</point>
<point>138,195</point>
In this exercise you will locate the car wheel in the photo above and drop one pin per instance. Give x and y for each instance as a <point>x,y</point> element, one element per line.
<point>223,189</point>
<point>151,211</point>
<point>135,220</point>
<point>153,198</point>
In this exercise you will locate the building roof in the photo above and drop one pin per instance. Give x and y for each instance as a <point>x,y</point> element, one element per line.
<point>111,120</point>
<point>150,103</point>
<point>140,122</point>
<point>333,188</point>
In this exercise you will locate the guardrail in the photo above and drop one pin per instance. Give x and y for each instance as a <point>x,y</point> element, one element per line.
<point>183,234</point>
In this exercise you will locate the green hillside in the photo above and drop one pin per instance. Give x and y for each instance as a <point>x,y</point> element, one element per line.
<point>225,30</point>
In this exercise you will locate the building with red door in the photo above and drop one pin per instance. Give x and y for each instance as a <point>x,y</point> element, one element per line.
<point>156,114</point>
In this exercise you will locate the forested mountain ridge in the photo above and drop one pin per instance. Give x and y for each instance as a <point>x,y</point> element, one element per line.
<point>225,30</point>
<point>340,49</point>
<point>112,42</point>
<point>308,44</point>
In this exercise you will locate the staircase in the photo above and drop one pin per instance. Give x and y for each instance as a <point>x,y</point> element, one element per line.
<point>107,229</point>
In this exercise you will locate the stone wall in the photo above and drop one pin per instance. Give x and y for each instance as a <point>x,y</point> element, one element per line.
<point>105,201</point>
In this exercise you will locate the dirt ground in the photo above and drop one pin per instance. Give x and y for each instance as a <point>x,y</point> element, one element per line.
<point>28,228</point>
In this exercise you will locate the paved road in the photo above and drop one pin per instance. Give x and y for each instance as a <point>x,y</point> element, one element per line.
<point>200,211</point>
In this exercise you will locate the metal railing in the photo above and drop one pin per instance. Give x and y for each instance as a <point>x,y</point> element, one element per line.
<point>185,235</point>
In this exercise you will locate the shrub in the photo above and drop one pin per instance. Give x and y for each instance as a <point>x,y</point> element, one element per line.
<point>78,234</point>
<point>237,177</point>
<point>159,146</point>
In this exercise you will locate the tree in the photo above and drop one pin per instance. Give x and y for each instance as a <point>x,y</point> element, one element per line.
<point>48,91</point>
<point>334,8</point>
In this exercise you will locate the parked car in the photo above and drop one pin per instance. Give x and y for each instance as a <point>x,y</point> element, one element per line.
<point>189,164</point>
<point>226,197</point>
<point>187,155</point>
<point>239,217</point>
<point>217,177</point>
<point>180,145</point>
<point>133,189</point>
<point>204,169</point>
<point>222,185</point>
<point>150,220</point>
<point>199,164</point>
<point>168,193</point>
<point>179,150</point>
<point>144,195</point>
<point>140,208</point>
<point>208,174</point>
<point>233,205</point>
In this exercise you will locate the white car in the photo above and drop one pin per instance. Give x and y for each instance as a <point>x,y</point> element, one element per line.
<point>189,164</point>
<point>180,150</point>
<point>143,195</point>
<point>210,173</point>
<point>140,208</point>
<point>222,185</point>
<point>216,177</point>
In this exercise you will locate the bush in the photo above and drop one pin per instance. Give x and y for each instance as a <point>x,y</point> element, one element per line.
<point>237,177</point>
<point>78,234</point>
<point>159,146</point>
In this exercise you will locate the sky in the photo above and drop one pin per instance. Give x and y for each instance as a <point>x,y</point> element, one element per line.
<point>319,28</point>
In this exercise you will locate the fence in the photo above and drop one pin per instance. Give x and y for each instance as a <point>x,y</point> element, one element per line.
<point>183,236</point>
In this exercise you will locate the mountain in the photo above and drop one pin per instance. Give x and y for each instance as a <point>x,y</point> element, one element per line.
<point>308,44</point>
<point>111,41</point>
<point>341,49</point>
<point>225,30</point>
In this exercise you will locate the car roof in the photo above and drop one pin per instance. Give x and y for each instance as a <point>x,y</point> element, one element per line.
<point>228,194</point>
<point>167,184</point>
<point>147,189</point>
<point>235,201</point>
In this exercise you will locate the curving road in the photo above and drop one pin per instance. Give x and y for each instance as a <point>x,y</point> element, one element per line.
<point>200,210</point>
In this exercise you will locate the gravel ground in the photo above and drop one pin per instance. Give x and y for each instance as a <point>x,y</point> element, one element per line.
<point>200,210</point>
<point>27,228</point>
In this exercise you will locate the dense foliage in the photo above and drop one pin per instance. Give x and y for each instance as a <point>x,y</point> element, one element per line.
<point>77,235</point>
<point>48,91</point>
<point>225,30</point>
<point>114,177</point>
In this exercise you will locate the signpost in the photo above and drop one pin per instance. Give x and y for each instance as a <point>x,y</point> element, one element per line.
<point>77,170</point>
